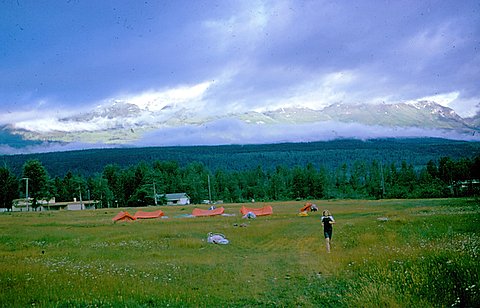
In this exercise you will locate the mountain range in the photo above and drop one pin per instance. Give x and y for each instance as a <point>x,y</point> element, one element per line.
<point>422,114</point>
<point>126,123</point>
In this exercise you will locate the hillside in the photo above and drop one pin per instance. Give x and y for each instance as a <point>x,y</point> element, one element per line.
<point>330,154</point>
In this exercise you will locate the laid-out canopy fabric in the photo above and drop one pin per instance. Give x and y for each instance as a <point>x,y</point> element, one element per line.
<point>147,215</point>
<point>266,210</point>
<point>199,212</point>
<point>306,207</point>
<point>123,216</point>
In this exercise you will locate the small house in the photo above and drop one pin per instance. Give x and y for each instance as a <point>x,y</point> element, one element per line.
<point>22,205</point>
<point>177,199</point>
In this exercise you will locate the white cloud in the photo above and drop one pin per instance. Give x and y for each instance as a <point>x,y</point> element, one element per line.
<point>48,124</point>
<point>466,107</point>
<point>433,41</point>
<point>252,26</point>
<point>40,113</point>
<point>318,92</point>
<point>43,121</point>
<point>444,99</point>
<point>156,100</point>
<point>242,28</point>
<point>231,131</point>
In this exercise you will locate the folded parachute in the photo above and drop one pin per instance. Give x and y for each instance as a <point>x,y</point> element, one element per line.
<point>199,212</point>
<point>123,216</point>
<point>147,215</point>
<point>266,210</point>
<point>307,206</point>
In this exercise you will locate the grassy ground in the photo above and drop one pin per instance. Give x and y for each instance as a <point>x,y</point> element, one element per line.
<point>392,253</point>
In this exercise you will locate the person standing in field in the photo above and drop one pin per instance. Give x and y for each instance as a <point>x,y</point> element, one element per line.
<point>327,222</point>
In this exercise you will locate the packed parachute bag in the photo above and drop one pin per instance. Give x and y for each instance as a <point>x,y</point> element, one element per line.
<point>217,238</point>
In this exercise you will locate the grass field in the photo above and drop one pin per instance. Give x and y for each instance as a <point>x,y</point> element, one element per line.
<point>395,253</point>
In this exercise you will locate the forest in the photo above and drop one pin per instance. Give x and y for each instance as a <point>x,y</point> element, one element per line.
<point>340,169</point>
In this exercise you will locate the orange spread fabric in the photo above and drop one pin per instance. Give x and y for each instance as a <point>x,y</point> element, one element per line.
<point>200,212</point>
<point>306,207</point>
<point>123,216</point>
<point>266,210</point>
<point>146,215</point>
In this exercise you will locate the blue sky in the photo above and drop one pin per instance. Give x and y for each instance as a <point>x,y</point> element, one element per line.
<point>58,58</point>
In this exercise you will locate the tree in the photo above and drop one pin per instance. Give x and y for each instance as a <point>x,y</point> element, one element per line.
<point>255,184</point>
<point>101,191</point>
<point>432,169</point>
<point>127,186</point>
<point>429,186</point>
<point>298,183</point>
<point>277,188</point>
<point>9,191</point>
<point>167,176</point>
<point>142,196</point>
<point>446,170</point>
<point>476,167</point>
<point>358,178</point>
<point>70,187</point>
<point>314,182</point>
<point>375,181</point>
<point>111,174</point>
<point>220,188</point>
<point>143,181</point>
<point>38,181</point>
<point>341,182</point>
<point>195,178</point>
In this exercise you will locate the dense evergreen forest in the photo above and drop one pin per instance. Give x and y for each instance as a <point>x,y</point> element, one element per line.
<point>381,168</point>
<point>327,154</point>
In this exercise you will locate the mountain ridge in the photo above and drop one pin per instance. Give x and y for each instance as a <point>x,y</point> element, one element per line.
<point>123,122</point>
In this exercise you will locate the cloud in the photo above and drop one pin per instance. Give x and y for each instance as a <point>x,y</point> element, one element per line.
<point>217,58</point>
<point>466,107</point>
<point>232,131</point>
<point>104,117</point>
<point>317,92</point>
<point>156,100</point>
<point>246,29</point>
<point>47,147</point>
<point>42,112</point>
<point>435,41</point>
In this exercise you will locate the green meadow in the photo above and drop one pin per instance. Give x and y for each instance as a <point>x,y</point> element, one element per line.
<point>394,253</point>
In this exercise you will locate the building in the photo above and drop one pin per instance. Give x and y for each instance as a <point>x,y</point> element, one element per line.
<point>466,188</point>
<point>176,199</point>
<point>23,205</point>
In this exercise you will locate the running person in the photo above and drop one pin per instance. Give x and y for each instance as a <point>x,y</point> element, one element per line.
<point>327,222</point>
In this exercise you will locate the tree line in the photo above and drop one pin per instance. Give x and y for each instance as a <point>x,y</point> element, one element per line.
<point>143,184</point>
<point>326,154</point>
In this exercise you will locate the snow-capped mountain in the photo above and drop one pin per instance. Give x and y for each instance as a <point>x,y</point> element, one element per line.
<point>123,122</point>
<point>422,114</point>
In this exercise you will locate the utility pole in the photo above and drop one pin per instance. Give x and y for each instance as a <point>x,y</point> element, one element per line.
<point>209,192</point>
<point>26,192</point>
<point>80,193</point>
<point>383,181</point>
<point>154,194</point>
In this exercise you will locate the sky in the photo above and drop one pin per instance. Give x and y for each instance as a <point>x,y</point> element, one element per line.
<point>60,58</point>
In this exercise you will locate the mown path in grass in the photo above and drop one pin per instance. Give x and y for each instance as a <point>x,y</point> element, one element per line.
<point>384,253</point>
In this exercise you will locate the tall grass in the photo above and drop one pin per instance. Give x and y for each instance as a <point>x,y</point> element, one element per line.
<point>384,253</point>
